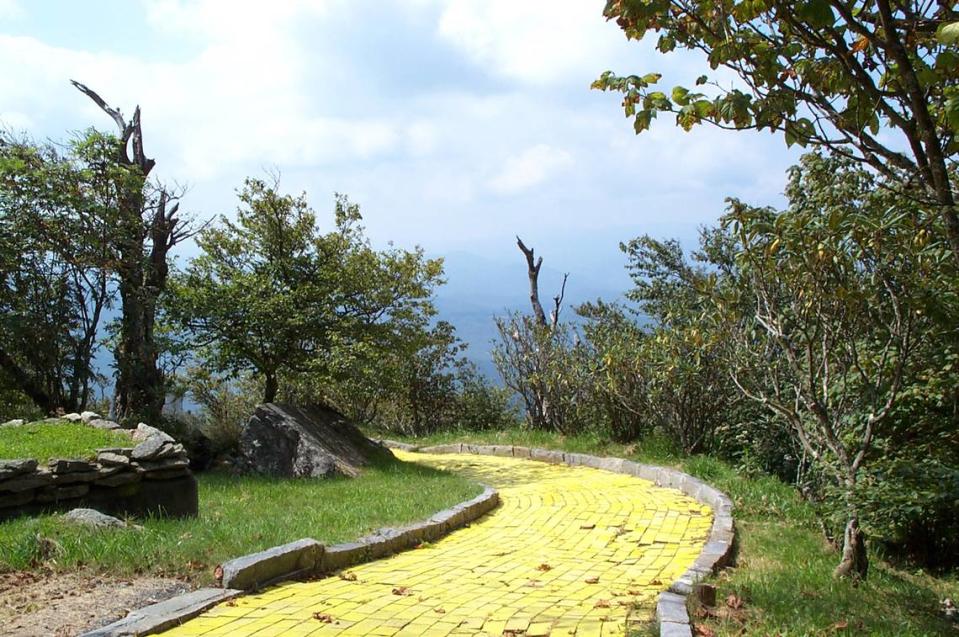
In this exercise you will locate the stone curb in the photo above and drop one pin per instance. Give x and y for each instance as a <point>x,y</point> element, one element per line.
<point>297,560</point>
<point>671,614</point>
<point>167,614</point>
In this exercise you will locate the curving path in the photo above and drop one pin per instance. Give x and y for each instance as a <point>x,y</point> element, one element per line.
<point>570,551</point>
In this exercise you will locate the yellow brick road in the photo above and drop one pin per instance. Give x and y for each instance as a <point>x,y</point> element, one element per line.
<point>570,551</point>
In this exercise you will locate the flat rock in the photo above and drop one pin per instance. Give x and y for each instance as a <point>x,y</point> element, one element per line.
<point>150,448</point>
<point>145,432</point>
<point>93,519</point>
<point>16,422</point>
<point>10,468</point>
<point>164,465</point>
<point>69,466</point>
<point>73,478</point>
<point>87,416</point>
<point>287,441</point>
<point>100,423</point>
<point>121,451</point>
<point>56,494</point>
<point>118,479</point>
<point>110,458</point>
<point>27,481</point>
<point>72,417</point>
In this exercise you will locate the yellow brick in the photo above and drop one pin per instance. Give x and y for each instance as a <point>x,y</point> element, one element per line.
<point>524,567</point>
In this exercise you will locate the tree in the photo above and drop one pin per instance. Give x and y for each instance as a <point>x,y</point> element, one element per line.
<point>841,285</point>
<point>54,268</point>
<point>534,357</point>
<point>876,81</point>
<point>146,226</point>
<point>271,295</point>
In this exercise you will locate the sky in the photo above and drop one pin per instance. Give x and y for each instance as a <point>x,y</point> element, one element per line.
<point>455,124</point>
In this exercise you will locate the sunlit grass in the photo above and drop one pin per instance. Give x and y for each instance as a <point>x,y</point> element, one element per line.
<point>238,515</point>
<point>60,439</point>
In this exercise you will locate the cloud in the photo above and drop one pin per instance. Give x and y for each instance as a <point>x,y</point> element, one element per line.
<point>537,41</point>
<point>10,10</point>
<point>530,168</point>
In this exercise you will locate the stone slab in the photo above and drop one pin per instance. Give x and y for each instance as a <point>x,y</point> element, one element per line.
<point>11,468</point>
<point>165,615</point>
<point>252,571</point>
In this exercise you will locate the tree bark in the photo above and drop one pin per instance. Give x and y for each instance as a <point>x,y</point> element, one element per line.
<point>941,185</point>
<point>532,269</point>
<point>140,387</point>
<point>855,561</point>
<point>271,387</point>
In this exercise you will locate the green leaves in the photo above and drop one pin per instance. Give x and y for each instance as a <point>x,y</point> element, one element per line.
<point>817,13</point>
<point>948,33</point>
<point>273,294</point>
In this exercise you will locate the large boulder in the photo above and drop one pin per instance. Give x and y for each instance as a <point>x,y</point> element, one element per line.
<point>287,441</point>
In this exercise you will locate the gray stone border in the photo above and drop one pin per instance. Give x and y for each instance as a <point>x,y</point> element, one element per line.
<point>169,614</point>
<point>297,560</point>
<point>671,613</point>
<point>309,558</point>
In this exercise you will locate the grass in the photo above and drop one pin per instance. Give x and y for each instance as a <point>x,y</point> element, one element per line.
<point>783,574</point>
<point>238,515</point>
<point>61,439</point>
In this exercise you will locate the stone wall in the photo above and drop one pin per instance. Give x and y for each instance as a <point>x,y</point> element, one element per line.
<point>150,477</point>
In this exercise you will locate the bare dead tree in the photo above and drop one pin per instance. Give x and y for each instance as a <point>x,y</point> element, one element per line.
<point>148,226</point>
<point>533,266</point>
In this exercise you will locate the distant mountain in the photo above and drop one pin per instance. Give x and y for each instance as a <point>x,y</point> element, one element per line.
<point>479,288</point>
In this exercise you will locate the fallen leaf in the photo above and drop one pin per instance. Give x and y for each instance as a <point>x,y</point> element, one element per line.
<point>544,567</point>
<point>655,582</point>
<point>218,573</point>
<point>401,590</point>
<point>349,576</point>
<point>734,601</point>
<point>602,603</point>
<point>587,526</point>
<point>704,631</point>
<point>323,617</point>
<point>591,580</point>
<point>439,610</point>
<point>230,603</point>
<point>840,625</point>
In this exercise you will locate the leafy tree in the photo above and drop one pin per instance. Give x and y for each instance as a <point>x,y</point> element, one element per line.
<point>619,385</point>
<point>842,284</point>
<point>876,81</point>
<point>54,268</point>
<point>549,369</point>
<point>271,295</point>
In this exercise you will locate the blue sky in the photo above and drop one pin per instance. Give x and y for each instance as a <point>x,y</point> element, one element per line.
<point>455,124</point>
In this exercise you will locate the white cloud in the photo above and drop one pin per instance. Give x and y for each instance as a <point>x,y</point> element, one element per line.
<point>537,41</point>
<point>10,10</point>
<point>530,168</point>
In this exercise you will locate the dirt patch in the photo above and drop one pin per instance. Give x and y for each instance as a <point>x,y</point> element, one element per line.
<point>63,605</point>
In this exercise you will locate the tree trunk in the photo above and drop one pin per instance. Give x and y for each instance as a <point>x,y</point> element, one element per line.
<point>28,384</point>
<point>140,392</point>
<point>140,387</point>
<point>855,561</point>
<point>271,387</point>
